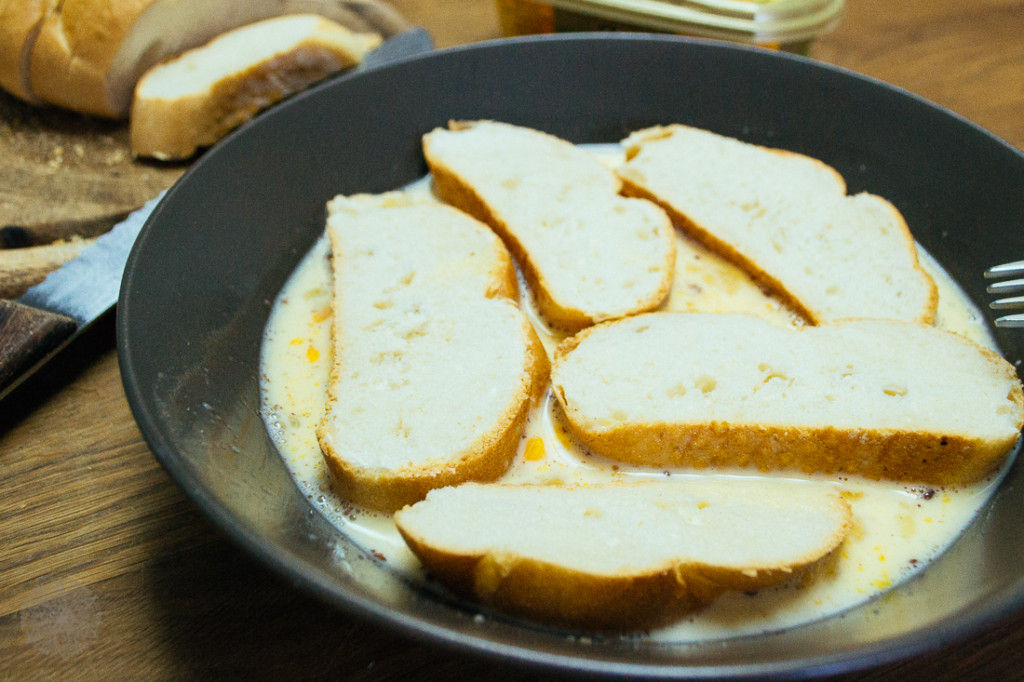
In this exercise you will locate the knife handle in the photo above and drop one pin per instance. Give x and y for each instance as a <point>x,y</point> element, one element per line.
<point>27,335</point>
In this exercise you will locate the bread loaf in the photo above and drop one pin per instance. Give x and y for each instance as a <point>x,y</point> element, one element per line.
<point>879,398</point>
<point>620,556</point>
<point>786,219</point>
<point>196,98</point>
<point>20,21</point>
<point>87,55</point>
<point>588,254</point>
<point>435,367</point>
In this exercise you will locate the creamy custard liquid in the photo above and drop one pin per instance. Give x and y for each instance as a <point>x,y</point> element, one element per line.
<point>897,528</point>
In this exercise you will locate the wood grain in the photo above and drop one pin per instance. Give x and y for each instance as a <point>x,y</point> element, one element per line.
<point>966,56</point>
<point>107,570</point>
<point>64,174</point>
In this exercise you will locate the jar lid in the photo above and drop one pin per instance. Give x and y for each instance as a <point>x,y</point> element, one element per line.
<point>758,21</point>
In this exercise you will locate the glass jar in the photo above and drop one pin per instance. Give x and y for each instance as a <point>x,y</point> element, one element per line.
<point>790,25</point>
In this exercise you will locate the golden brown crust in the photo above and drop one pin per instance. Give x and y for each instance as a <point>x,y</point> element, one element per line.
<point>552,594</point>
<point>76,47</point>
<point>506,284</point>
<point>164,130</point>
<point>941,459</point>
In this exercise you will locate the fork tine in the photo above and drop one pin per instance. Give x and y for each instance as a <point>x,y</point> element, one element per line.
<point>1007,287</point>
<point>1005,303</point>
<point>1010,321</point>
<point>1014,268</point>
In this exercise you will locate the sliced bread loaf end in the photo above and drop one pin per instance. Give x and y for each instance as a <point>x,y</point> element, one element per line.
<point>193,100</point>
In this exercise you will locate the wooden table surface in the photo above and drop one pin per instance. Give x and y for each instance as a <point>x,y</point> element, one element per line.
<point>108,572</point>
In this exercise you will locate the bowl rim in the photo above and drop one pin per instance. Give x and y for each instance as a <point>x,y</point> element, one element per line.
<point>999,608</point>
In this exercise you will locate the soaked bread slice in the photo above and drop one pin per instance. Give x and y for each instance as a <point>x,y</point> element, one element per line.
<point>786,219</point>
<point>620,556</point>
<point>588,254</point>
<point>435,367</point>
<point>880,398</point>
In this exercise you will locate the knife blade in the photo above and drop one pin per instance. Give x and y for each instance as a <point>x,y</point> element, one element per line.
<point>37,325</point>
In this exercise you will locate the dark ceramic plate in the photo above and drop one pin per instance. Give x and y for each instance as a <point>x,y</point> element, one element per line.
<point>214,254</point>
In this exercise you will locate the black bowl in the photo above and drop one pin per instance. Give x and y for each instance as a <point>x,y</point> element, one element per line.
<point>203,274</point>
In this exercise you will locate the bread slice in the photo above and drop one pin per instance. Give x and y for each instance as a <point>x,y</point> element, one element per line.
<point>90,53</point>
<point>20,21</point>
<point>786,219</point>
<point>198,97</point>
<point>435,367</point>
<point>620,556</point>
<point>587,253</point>
<point>881,398</point>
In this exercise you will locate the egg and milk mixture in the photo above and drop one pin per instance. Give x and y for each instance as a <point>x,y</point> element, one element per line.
<point>897,528</point>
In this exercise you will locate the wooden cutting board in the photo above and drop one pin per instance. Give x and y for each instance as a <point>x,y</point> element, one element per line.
<point>64,177</point>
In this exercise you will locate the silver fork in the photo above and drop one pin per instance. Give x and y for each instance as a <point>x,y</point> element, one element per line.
<point>1009,286</point>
